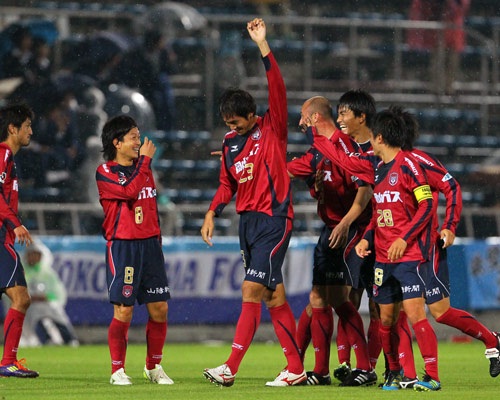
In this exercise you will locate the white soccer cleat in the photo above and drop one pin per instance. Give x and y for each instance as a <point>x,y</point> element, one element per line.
<point>220,375</point>
<point>286,378</point>
<point>120,378</point>
<point>157,375</point>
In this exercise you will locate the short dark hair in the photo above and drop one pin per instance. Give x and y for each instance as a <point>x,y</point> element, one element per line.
<point>14,114</point>
<point>115,128</point>
<point>359,102</point>
<point>411,126</point>
<point>391,127</point>
<point>236,102</point>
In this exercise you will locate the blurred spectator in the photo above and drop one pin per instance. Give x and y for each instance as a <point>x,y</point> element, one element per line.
<point>46,321</point>
<point>15,63</point>
<point>56,142</point>
<point>98,56</point>
<point>40,66</point>
<point>453,13</point>
<point>147,68</point>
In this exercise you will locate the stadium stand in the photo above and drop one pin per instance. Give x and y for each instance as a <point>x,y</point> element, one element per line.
<point>329,52</point>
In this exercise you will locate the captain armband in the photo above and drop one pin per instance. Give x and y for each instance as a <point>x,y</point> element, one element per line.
<point>423,192</point>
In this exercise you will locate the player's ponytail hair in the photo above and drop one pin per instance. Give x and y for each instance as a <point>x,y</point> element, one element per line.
<point>116,128</point>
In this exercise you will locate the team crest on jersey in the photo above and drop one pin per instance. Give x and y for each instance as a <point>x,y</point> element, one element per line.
<point>3,176</point>
<point>393,178</point>
<point>256,135</point>
<point>127,290</point>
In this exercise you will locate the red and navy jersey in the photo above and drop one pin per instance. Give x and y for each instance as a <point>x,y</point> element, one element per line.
<point>403,205</point>
<point>128,198</point>
<point>360,163</point>
<point>441,180</point>
<point>254,164</point>
<point>9,196</point>
<point>339,188</point>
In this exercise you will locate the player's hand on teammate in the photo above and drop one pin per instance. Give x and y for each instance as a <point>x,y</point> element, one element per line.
<point>363,248</point>
<point>338,237</point>
<point>23,235</point>
<point>148,148</point>
<point>217,153</point>
<point>396,250</point>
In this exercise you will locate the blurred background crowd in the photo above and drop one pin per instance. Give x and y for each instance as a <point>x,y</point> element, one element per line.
<point>164,63</point>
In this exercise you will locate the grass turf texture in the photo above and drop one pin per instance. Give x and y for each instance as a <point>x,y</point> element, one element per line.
<point>83,373</point>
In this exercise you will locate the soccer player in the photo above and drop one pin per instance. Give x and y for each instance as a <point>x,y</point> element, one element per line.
<point>15,133</point>
<point>400,233</point>
<point>437,273</point>
<point>134,257</point>
<point>254,168</point>
<point>342,206</point>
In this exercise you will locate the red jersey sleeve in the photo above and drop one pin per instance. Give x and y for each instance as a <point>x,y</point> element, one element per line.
<point>9,196</point>
<point>278,108</point>
<point>361,166</point>
<point>441,181</point>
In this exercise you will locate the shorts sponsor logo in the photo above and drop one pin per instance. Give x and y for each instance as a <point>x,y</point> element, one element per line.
<point>258,274</point>
<point>158,290</point>
<point>335,275</point>
<point>410,288</point>
<point>433,292</point>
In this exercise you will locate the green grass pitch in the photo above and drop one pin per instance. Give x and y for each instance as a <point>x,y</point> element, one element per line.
<point>83,373</point>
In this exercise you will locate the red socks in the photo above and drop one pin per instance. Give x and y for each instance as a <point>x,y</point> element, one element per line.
<point>353,327</point>
<point>117,341</point>
<point>343,346</point>
<point>303,333</point>
<point>374,343</point>
<point>390,343</point>
<point>427,342</point>
<point>12,330</point>
<point>406,358</point>
<point>284,326</point>
<point>469,325</point>
<point>247,325</point>
<point>322,331</point>
<point>156,332</point>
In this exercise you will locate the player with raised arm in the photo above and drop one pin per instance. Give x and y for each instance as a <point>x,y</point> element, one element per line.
<point>15,133</point>
<point>254,168</point>
<point>134,257</point>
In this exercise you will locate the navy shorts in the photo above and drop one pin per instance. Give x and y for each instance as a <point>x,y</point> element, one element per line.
<point>136,271</point>
<point>340,266</point>
<point>436,275</point>
<point>11,268</point>
<point>396,282</point>
<point>264,241</point>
